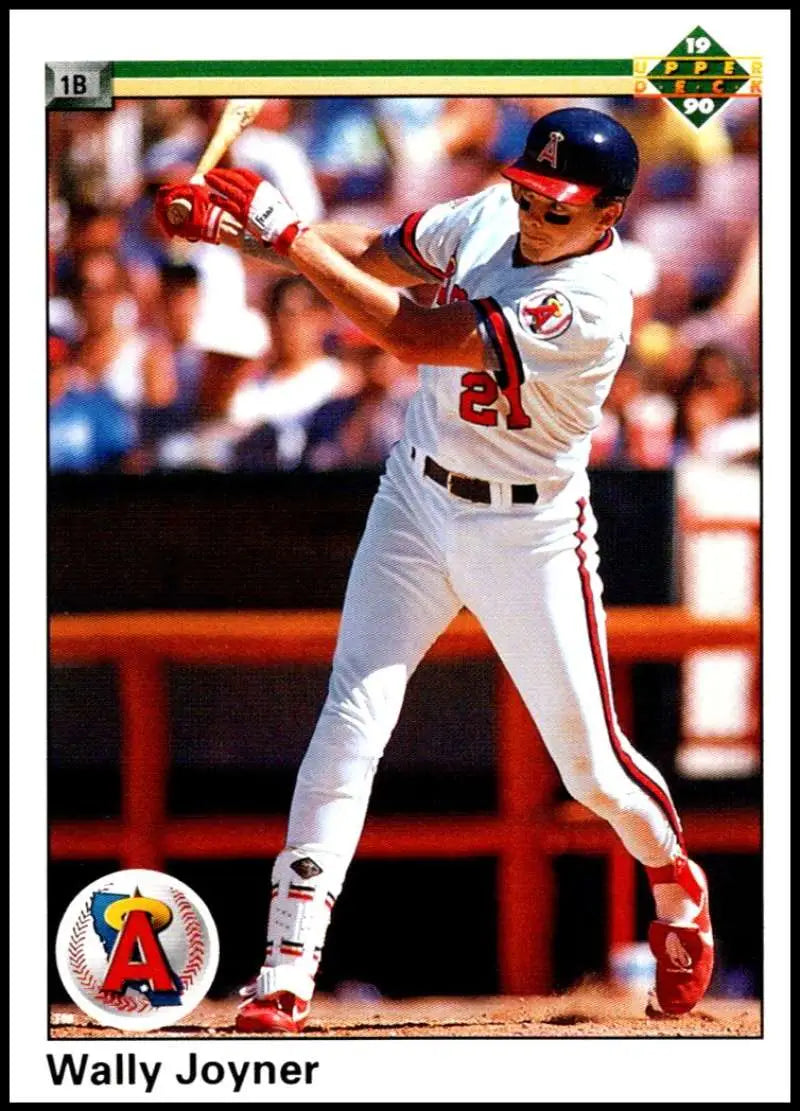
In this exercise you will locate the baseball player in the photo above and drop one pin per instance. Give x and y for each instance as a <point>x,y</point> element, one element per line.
<point>484,504</point>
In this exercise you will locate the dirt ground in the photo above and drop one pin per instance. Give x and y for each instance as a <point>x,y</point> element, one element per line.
<point>586,1012</point>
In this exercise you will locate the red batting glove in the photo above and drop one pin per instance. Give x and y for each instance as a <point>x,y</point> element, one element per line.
<point>257,205</point>
<point>202,222</point>
<point>234,190</point>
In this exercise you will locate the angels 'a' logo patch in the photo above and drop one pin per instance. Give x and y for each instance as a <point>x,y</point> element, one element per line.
<point>547,313</point>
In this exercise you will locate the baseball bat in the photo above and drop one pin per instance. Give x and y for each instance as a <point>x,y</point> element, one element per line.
<point>236,116</point>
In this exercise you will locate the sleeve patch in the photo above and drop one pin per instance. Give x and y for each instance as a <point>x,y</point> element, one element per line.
<point>546,313</point>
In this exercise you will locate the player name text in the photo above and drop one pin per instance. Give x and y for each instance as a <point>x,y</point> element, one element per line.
<point>126,1070</point>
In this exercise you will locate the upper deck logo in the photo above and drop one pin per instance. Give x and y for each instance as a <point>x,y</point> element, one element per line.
<point>137,950</point>
<point>698,77</point>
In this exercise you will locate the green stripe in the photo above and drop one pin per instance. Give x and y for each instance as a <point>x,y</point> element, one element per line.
<point>605,67</point>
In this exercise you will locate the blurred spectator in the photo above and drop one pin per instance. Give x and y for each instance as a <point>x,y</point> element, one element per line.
<point>175,131</point>
<point>440,148</point>
<point>637,426</point>
<point>87,228</point>
<point>234,345</point>
<point>722,370</point>
<point>685,238</point>
<point>96,154</point>
<point>718,417</point>
<point>163,378</point>
<point>88,429</point>
<point>729,189</point>
<point>178,361</point>
<point>111,348</point>
<point>650,431</point>
<point>643,276</point>
<point>230,347</point>
<point>170,331</point>
<point>607,439</point>
<point>342,137</point>
<point>301,375</point>
<point>664,140</point>
<point>513,123</point>
<point>359,430</point>
<point>735,319</point>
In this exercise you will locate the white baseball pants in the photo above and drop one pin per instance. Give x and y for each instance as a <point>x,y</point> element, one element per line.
<point>529,575</point>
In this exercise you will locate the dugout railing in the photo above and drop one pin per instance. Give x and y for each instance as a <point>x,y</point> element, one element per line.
<point>527,830</point>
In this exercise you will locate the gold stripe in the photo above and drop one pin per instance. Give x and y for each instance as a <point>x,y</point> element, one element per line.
<point>371,86</point>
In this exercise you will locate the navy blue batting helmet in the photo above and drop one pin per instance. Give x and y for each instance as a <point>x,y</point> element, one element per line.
<point>577,155</point>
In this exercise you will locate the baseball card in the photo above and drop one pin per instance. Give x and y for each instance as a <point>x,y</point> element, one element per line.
<point>399,461</point>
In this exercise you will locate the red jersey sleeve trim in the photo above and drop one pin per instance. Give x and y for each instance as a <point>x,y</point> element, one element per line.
<point>408,241</point>
<point>503,342</point>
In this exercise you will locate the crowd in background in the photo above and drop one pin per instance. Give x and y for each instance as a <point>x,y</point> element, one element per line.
<point>167,355</point>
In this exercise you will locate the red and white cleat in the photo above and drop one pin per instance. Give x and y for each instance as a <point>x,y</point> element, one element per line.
<point>282,1013</point>
<point>277,1001</point>
<point>684,953</point>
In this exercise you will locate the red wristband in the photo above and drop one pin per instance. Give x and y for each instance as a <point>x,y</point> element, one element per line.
<point>287,237</point>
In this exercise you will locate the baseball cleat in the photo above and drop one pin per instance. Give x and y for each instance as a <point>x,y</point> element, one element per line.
<point>281,1013</point>
<point>684,953</point>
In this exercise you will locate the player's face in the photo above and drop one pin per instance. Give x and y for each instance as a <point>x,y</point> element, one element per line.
<point>549,229</point>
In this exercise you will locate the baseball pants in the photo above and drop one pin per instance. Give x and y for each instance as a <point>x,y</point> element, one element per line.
<point>529,575</point>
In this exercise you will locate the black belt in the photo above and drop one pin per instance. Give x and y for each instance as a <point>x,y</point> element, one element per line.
<point>474,489</point>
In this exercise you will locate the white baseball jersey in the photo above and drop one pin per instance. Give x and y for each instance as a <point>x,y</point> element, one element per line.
<point>555,335</point>
<point>527,567</point>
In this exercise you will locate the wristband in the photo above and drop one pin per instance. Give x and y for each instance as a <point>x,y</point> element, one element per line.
<point>287,237</point>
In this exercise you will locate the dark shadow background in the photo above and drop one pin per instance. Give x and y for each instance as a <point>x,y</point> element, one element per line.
<point>285,541</point>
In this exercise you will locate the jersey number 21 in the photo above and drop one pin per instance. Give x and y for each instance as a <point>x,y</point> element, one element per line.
<point>478,396</point>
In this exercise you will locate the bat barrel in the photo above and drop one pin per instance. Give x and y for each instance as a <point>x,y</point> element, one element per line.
<point>236,116</point>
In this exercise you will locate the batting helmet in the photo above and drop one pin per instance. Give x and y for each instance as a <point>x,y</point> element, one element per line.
<point>577,155</point>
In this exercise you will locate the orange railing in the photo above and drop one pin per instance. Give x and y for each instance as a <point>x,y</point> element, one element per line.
<point>527,829</point>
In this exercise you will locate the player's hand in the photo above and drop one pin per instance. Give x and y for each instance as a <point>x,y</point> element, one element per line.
<point>256,204</point>
<point>204,219</point>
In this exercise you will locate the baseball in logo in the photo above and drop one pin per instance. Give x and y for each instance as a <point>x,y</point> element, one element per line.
<point>546,313</point>
<point>137,950</point>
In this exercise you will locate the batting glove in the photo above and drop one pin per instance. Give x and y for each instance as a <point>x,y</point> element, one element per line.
<point>201,218</point>
<point>256,204</point>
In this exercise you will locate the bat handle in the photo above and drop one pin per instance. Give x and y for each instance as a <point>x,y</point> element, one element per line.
<point>180,208</point>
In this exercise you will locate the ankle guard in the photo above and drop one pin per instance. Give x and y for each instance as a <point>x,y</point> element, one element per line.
<point>304,889</point>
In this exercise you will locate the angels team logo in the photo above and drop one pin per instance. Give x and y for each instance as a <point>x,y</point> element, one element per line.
<point>546,313</point>
<point>549,152</point>
<point>137,950</point>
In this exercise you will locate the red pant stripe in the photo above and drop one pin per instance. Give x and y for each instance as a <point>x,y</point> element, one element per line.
<point>651,788</point>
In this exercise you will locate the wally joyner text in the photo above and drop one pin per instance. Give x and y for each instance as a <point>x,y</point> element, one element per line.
<point>126,1070</point>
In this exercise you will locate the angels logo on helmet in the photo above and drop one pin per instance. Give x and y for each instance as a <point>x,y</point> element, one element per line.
<point>549,152</point>
<point>546,313</point>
